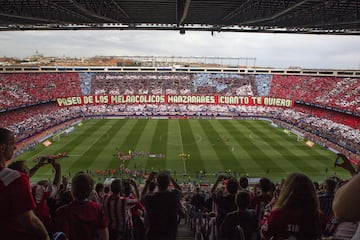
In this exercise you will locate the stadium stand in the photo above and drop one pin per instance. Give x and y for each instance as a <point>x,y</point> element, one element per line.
<point>19,89</point>
<point>340,93</point>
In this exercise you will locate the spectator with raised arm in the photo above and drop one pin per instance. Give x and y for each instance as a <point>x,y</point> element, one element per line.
<point>135,226</point>
<point>117,210</point>
<point>162,208</point>
<point>43,191</point>
<point>347,198</point>
<point>18,220</point>
<point>344,162</point>
<point>225,202</point>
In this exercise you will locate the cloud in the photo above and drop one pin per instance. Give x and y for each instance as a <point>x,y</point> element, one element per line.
<point>270,50</point>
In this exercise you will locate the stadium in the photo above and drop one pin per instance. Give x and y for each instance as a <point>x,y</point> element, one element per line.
<point>183,106</point>
<point>195,118</point>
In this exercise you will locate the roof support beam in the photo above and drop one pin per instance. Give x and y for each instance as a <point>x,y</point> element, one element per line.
<point>182,10</point>
<point>235,12</point>
<point>279,14</point>
<point>90,13</point>
<point>32,18</point>
<point>62,9</point>
<point>123,12</point>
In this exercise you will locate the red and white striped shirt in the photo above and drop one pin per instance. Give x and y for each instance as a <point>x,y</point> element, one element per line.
<point>117,211</point>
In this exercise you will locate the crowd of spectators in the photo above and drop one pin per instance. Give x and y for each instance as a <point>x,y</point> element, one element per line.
<point>295,208</point>
<point>340,93</point>
<point>337,117</point>
<point>343,135</point>
<point>141,83</point>
<point>19,89</point>
<point>26,122</point>
<point>171,83</point>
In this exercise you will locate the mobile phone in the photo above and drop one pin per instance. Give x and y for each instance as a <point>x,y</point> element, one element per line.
<point>50,160</point>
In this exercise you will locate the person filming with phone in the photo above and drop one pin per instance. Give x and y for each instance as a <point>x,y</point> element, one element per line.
<point>43,191</point>
<point>344,162</point>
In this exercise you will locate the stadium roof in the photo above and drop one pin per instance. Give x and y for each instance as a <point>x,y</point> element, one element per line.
<point>285,16</point>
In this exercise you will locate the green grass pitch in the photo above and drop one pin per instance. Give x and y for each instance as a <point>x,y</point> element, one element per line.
<point>245,147</point>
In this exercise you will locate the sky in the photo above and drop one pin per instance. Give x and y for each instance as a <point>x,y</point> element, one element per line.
<point>270,50</point>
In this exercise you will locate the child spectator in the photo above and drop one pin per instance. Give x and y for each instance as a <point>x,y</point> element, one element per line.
<point>242,222</point>
<point>82,219</point>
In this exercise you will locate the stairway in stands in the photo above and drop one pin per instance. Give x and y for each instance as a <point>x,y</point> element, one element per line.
<point>184,232</point>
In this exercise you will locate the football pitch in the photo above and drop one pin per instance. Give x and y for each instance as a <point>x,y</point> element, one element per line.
<point>197,149</point>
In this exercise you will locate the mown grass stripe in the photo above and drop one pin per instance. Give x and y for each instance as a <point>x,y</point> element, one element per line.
<point>94,152</point>
<point>321,153</point>
<point>195,162</point>
<point>253,149</point>
<point>209,158</point>
<point>157,146</point>
<point>236,144</point>
<point>134,136</point>
<point>108,158</point>
<point>143,145</point>
<point>226,158</point>
<point>315,156</point>
<point>283,149</point>
<point>68,147</point>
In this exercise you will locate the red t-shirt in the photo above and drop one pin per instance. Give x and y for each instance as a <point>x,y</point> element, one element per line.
<point>15,199</point>
<point>80,220</point>
<point>284,223</point>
